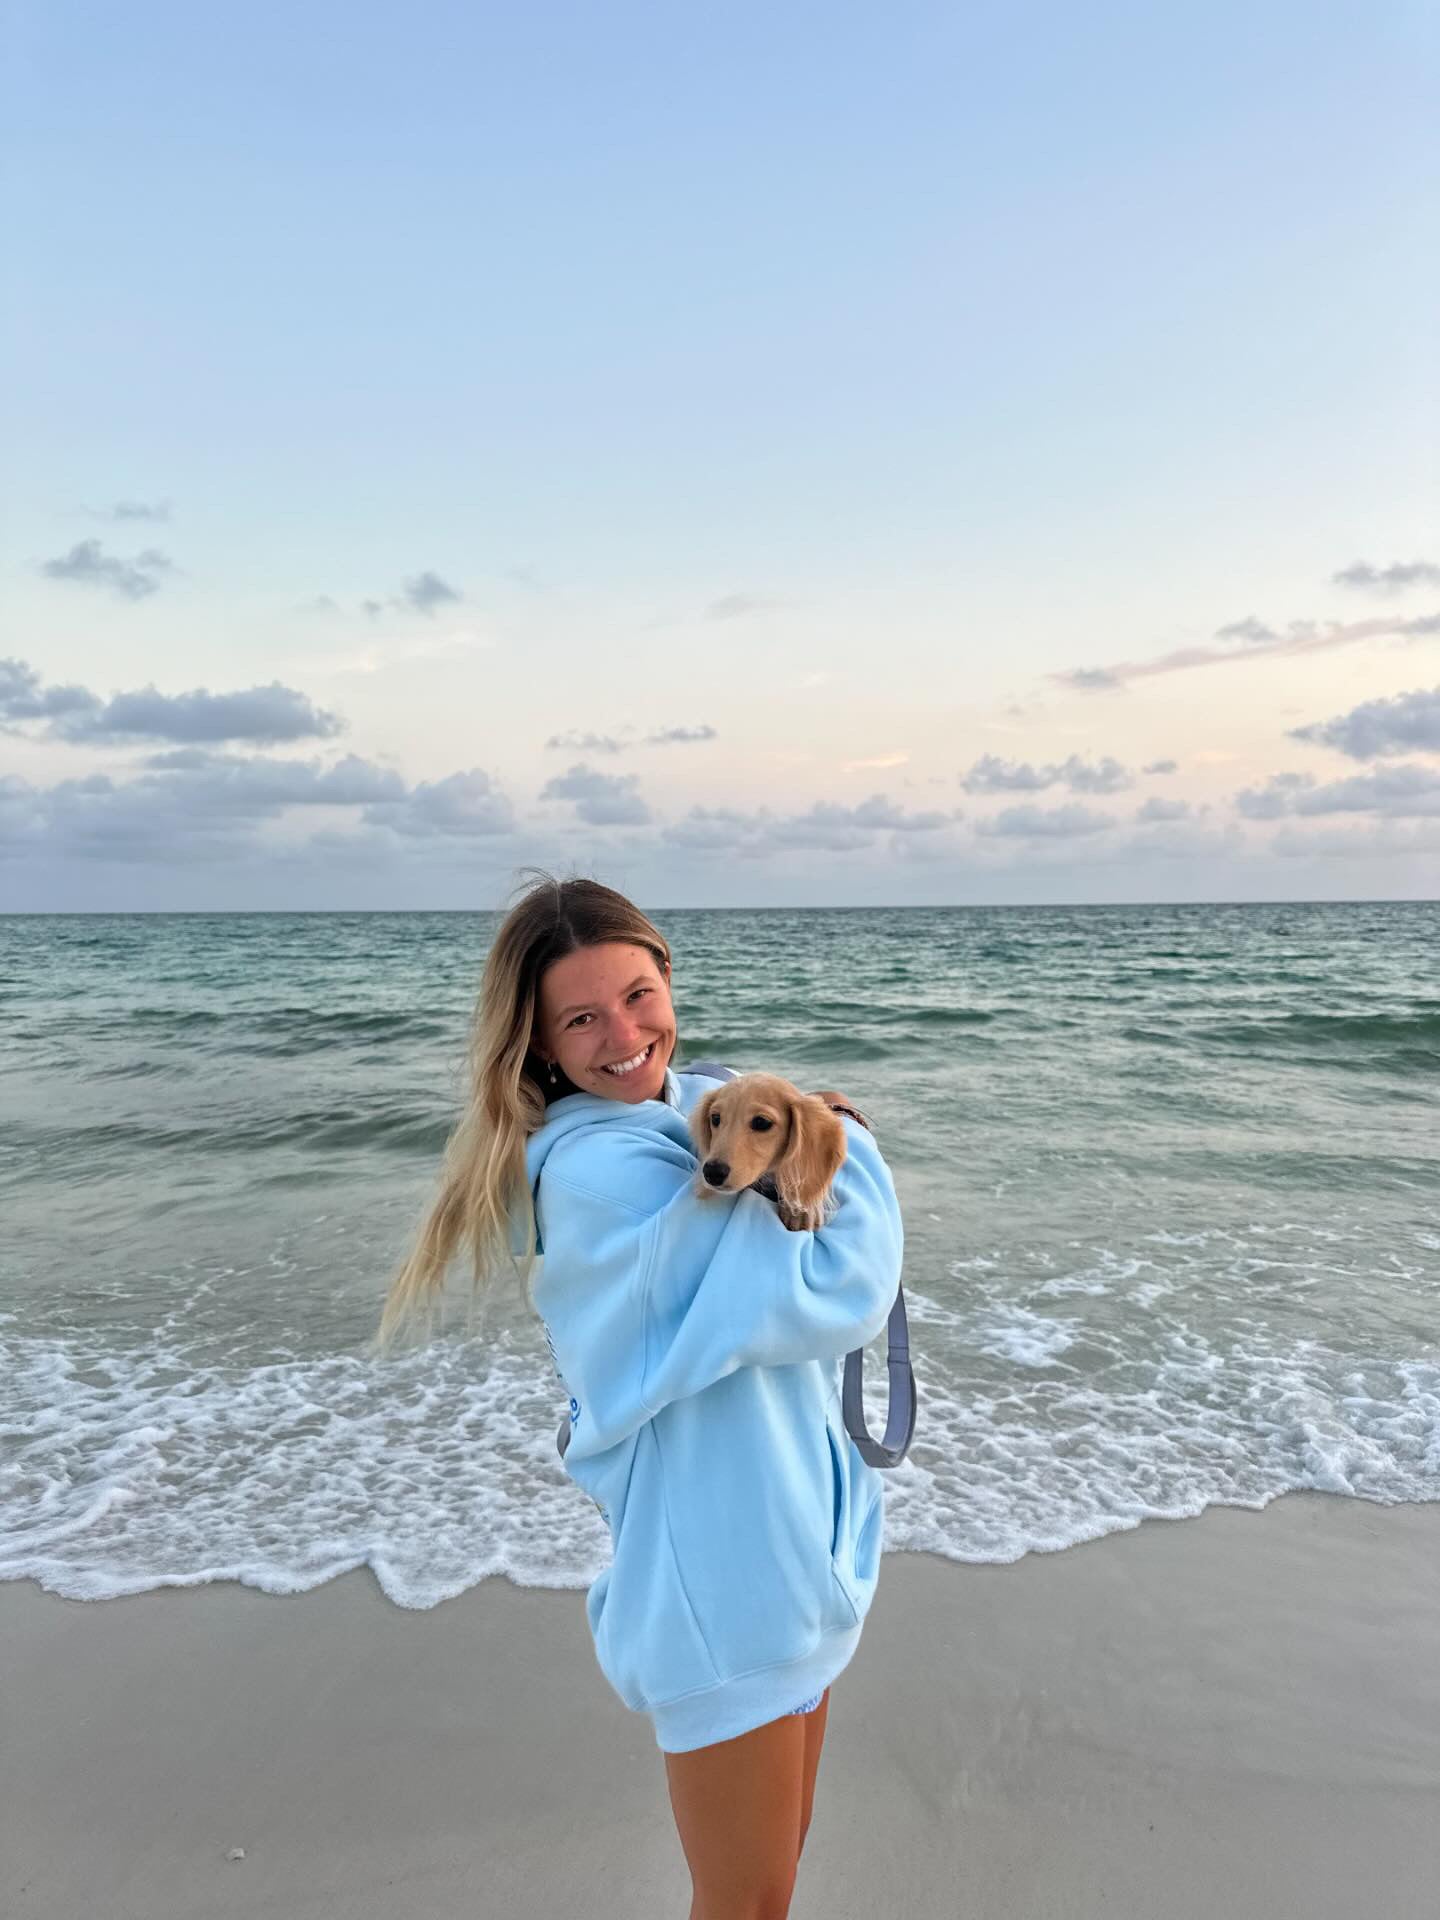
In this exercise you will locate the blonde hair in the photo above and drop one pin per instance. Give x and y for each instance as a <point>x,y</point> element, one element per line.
<point>483,1188</point>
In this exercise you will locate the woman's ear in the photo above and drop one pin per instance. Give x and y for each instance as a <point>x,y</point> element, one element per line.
<point>814,1154</point>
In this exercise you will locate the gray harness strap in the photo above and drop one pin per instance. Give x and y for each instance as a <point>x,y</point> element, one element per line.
<point>900,1419</point>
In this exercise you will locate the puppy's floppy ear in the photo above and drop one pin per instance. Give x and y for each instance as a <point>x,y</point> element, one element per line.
<point>700,1123</point>
<point>814,1154</point>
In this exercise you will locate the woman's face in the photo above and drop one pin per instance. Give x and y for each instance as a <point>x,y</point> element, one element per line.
<point>599,1008</point>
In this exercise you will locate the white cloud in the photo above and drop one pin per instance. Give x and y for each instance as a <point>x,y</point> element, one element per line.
<point>266,715</point>
<point>825,827</point>
<point>1403,792</point>
<point>1258,640</point>
<point>1396,578</point>
<point>601,799</point>
<point>680,736</point>
<point>462,805</point>
<point>189,803</point>
<point>131,510</point>
<point>1407,723</point>
<point>1407,841</point>
<point>427,591</point>
<point>990,774</point>
<point>1156,809</point>
<point>23,697</point>
<point>1032,822</point>
<point>88,565</point>
<point>577,742</point>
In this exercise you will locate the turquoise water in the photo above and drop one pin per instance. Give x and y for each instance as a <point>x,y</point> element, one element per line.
<point>1170,1175</point>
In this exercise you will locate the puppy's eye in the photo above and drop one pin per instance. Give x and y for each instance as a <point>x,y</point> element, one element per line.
<point>760,1124</point>
<point>714,1118</point>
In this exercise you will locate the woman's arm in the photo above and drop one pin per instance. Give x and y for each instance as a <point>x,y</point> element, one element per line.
<point>667,1290</point>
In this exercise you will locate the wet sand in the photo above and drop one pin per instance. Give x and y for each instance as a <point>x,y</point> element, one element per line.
<point>1234,1717</point>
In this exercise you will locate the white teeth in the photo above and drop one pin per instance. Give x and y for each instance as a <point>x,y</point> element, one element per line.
<point>629,1066</point>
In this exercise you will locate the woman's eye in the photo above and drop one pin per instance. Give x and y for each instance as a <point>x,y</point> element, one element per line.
<point>761,1125</point>
<point>586,1016</point>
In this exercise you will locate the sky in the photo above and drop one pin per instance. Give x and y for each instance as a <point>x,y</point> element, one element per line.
<point>766,455</point>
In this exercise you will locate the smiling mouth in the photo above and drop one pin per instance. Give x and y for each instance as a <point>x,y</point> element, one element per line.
<point>641,1060</point>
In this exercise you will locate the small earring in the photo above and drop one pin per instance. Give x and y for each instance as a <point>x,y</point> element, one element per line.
<point>552,1073</point>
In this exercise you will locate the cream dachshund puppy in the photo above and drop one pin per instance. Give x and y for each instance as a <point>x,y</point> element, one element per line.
<point>761,1131</point>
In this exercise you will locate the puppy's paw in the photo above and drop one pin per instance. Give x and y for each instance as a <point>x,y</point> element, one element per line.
<point>800,1219</point>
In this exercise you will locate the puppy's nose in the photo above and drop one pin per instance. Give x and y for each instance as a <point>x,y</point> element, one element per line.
<point>716,1172</point>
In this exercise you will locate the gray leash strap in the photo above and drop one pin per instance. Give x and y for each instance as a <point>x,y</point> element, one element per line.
<point>900,1419</point>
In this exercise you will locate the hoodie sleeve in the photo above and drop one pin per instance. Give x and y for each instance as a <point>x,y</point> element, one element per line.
<point>672,1290</point>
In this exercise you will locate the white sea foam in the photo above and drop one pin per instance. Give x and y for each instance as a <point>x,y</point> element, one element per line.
<point>129,1471</point>
<point>125,1471</point>
<point>1011,1332</point>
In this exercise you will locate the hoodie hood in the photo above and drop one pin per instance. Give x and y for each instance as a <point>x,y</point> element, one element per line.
<point>574,1112</point>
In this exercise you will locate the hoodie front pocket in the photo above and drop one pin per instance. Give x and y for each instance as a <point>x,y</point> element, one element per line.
<point>837,1487</point>
<point>647,1639</point>
<point>839,1516</point>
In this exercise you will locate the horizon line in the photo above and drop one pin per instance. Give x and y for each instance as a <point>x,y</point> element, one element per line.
<point>950,906</point>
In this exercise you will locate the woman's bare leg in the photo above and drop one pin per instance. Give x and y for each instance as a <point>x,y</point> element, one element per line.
<point>814,1725</point>
<point>738,1806</point>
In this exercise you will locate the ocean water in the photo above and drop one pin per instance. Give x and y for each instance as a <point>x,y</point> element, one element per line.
<point>1170,1177</point>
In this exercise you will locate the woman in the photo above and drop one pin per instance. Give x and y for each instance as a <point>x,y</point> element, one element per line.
<point>699,1342</point>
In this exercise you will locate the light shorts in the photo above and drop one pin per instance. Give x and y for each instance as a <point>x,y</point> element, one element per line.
<point>809,1706</point>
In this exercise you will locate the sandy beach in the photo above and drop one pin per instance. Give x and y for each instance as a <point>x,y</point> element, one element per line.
<point>1235,1715</point>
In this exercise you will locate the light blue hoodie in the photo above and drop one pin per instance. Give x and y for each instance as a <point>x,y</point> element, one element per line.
<point>701,1344</point>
